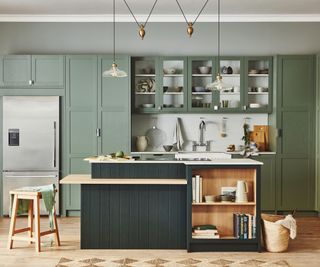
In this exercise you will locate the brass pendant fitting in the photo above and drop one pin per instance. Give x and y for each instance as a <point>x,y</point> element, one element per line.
<point>142,32</point>
<point>190,29</point>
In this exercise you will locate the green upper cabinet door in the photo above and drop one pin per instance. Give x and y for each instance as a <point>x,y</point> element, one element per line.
<point>37,71</point>
<point>173,84</point>
<point>201,72</point>
<point>48,71</point>
<point>145,84</point>
<point>114,112</point>
<point>296,143</point>
<point>257,93</point>
<point>15,71</point>
<point>231,71</point>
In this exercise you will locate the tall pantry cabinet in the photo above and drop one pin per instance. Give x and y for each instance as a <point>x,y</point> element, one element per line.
<point>98,116</point>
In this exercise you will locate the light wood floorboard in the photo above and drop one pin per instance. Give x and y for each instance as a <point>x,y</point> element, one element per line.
<point>303,251</point>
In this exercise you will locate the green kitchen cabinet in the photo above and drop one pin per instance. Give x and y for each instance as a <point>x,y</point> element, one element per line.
<point>145,82</point>
<point>114,112</point>
<point>15,71</point>
<point>98,115</point>
<point>258,84</point>
<point>81,121</point>
<point>268,180</point>
<point>201,72</point>
<point>231,71</point>
<point>296,133</point>
<point>159,84</point>
<point>36,71</point>
<point>173,84</point>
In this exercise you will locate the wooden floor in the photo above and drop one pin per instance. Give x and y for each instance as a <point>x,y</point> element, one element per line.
<point>303,251</point>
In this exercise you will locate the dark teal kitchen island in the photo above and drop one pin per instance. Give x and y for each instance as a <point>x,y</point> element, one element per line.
<point>148,204</point>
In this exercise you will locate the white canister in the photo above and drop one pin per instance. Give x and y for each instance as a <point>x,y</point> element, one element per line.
<point>242,191</point>
<point>141,143</point>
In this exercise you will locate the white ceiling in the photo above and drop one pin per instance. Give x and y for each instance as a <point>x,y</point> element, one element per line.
<point>165,10</point>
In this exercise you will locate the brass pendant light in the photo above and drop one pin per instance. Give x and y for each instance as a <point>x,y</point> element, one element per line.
<point>190,24</point>
<point>114,71</point>
<point>218,84</point>
<point>141,26</point>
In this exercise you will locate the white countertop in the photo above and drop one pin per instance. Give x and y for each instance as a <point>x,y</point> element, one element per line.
<point>214,162</point>
<point>181,152</point>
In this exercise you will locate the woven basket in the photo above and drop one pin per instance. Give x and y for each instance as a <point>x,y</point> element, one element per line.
<point>275,236</point>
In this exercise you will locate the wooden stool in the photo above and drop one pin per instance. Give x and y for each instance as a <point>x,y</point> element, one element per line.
<point>34,207</point>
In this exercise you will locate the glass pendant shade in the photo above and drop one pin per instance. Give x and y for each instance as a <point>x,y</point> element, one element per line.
<point>114,72</point>
<point>218,84</point>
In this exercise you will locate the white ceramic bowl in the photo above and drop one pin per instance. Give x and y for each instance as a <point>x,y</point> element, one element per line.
<point>204,69</point>
<point>209,198</point>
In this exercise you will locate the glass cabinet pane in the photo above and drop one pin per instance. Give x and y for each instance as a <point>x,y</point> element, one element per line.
<point>258,83</point>
<point>230,71</point>
<point>145,84</point>
<point>201,76</point>
<point>173,84</point>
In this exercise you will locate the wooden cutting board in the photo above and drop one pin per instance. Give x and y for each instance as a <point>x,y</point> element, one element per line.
<point>261,136</point>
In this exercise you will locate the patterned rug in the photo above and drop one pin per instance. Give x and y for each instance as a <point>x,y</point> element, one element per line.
<point>159,262</point>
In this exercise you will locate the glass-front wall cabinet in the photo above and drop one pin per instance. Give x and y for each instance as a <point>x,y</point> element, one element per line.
<point>201,73</point>
<point>258,86</point>
<point>174,84</point>
<point>145,84</point>
<point>230,70</point>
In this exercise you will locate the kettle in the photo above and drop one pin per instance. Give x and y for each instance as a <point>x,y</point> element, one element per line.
<point>242,191</point>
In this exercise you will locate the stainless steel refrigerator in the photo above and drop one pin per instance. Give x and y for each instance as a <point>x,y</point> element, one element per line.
<point>30,144</point>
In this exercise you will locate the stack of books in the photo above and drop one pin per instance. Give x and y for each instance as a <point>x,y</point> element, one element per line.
<point>197,189</point>
<point>206,231</point>
<point>244,226</point>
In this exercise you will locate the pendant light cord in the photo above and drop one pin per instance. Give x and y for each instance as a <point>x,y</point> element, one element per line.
<point>218,36</point>
<point>197,15</point>
<point>114,31</point>
<point>144,24</point>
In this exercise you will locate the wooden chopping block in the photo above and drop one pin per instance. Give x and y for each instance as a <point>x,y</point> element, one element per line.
<point>261,136</point>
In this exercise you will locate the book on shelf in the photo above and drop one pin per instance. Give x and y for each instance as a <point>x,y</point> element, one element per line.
<point>206,231</point>
<point>244,226</point>
<point>197,189</point>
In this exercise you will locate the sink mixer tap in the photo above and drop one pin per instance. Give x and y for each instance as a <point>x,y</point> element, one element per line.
<point>202,142</point>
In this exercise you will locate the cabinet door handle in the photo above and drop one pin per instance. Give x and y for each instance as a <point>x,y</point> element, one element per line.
<point>279,133</point>
<point>244,107</point>
<point>31,82</point>
<point>98,132</point>
<point>160,108</point>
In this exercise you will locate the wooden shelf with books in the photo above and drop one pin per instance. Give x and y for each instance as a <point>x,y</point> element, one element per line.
<point>216,202</point>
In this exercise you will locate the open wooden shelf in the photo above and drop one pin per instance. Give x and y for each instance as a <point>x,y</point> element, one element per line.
<point>224,204</point>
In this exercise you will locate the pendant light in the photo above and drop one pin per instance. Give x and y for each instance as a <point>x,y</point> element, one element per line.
<point>141,26</point>
<point>114,71</point>
<point>218,84</point>
<point>189,23</point>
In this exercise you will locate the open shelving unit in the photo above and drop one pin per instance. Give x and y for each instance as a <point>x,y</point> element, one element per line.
<point>220,214</point>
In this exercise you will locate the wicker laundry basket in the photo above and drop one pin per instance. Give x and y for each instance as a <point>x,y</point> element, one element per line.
<point>275,236</point>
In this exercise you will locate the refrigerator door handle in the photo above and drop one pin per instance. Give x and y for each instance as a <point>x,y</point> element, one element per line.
<point>30,176</point>
<point>54,144</point>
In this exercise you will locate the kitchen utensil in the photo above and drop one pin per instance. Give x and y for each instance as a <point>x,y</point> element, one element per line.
<point>204,69</point>
<point>156,137</point>
<point>229,70</point>
<point>242,191</point>
<point>141,143</point>
<point>209,198</point>
<point>199,88</point>
<point>254,105</point>
<point>167,148</point>
<point>175,89</point>
<point>147,105</point>
<point>169,71</point>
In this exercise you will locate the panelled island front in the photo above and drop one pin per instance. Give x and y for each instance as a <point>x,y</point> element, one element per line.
<point>150,205</point>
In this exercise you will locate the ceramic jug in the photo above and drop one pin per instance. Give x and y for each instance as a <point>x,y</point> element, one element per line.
<point>242,191</point>
<point>141,143</point>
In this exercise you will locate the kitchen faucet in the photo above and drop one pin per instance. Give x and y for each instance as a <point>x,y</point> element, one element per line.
<point>202,142</point>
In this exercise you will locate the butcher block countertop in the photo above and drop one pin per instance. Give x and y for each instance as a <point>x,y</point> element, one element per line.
<point>86,179</point>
